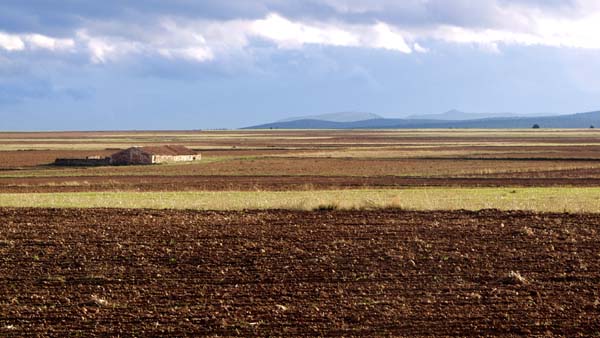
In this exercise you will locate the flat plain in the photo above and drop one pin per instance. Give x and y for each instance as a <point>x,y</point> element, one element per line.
<point>308,160</point>
<point>414,233</point>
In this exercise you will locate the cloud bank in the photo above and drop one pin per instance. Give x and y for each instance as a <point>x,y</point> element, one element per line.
<point>83,64</point>
<point>110,31</point>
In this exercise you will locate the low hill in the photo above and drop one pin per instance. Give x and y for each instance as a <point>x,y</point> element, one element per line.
<point>580,120</point>
<point>336,117</point>
<point>457,115</point>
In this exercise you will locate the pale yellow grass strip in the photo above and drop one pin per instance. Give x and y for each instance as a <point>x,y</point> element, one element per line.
<point>536,199</point>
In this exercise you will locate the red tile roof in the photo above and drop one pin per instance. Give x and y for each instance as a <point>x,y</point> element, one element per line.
<point>172,150</point>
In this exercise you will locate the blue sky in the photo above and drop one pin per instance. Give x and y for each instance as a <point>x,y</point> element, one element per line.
<point>182,64</point>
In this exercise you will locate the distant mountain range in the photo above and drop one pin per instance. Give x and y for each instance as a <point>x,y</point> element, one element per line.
<point>451,119</point>
<point>457,115</point>
<point>336,117</point>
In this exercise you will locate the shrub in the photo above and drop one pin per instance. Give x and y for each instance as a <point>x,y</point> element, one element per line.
<point>326,207</point>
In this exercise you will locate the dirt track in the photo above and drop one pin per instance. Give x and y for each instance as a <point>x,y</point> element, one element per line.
<point>387,272</point>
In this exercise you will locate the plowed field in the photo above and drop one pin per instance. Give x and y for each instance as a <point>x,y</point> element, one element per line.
<point>275,183</point>
<point>335,273</point>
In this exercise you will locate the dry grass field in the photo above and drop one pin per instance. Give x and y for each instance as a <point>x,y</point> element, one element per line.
<point>542,199</point>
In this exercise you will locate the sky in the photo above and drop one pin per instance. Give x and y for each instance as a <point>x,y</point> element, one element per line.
<point>205,64</point>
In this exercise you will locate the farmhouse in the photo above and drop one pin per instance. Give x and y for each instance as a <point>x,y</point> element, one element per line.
<point>154,154</point>
<point>135,155</point>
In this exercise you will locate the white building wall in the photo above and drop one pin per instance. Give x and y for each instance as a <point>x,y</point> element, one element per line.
<point>179,158</point>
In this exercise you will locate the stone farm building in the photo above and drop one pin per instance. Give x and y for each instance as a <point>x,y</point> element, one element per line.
<point>154,154</point>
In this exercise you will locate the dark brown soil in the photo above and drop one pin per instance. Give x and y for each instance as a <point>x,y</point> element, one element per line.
<point>289,273</point>
<point>273,183</point>
<point>31,158</point>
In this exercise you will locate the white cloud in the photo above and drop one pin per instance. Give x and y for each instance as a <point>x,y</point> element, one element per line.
<point>419,49</point>
<point>579,33</point>
<point>486,23</point>
<point>46,42</point>
<point>11,42</point>
<point>387,38</point>
<point>202,40</point>
<point>289,34</point>
<point>205,40</point>
<point>198,54</point>
<point>542,31</point>
<point>21,42</point>
<point>102,49</point>
<point>167,40</point>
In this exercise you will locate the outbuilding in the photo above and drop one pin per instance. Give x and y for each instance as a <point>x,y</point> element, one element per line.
<point>154,154</point>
